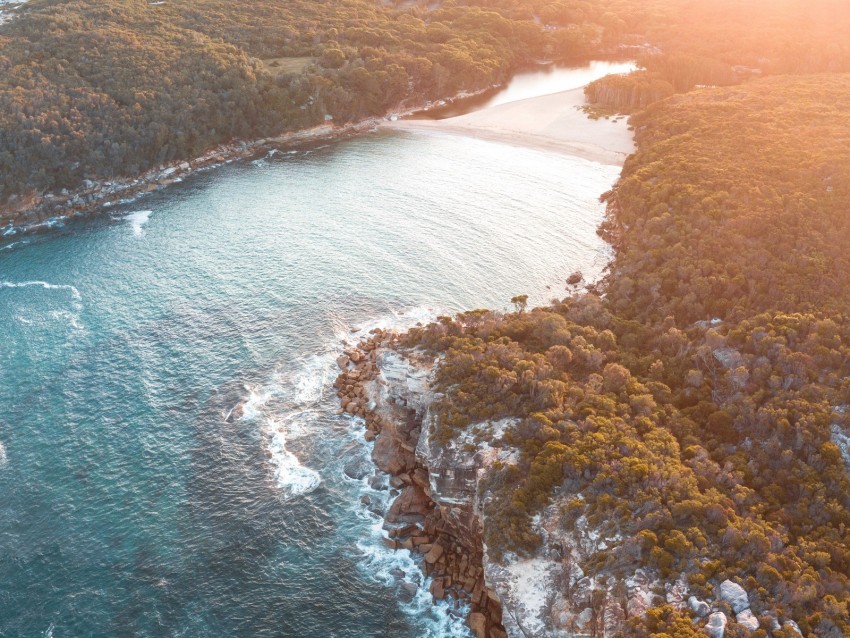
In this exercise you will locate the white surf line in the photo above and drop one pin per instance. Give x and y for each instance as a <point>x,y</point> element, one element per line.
<point>47,286</point>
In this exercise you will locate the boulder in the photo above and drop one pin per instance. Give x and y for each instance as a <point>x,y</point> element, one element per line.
<point>735,595</point>
<point>747,619</point>
<point>478,624</point>
<point>582,620</point>
<point>358,468</point>
<point>411,501</point>
<point>407,591</point>
<point>437,589</point>
<point>699,607</point>
<point>434,554</point>
<point>420,477</point>
<point>342,362</point>
<point>716,626</point>
<point>389,456</point>
<point>794,628</point>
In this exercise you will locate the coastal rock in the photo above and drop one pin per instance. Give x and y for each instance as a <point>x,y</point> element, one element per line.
<point>716,626</point>
<point>582,621</point>
<point>402,381</point>
<point>358,468</point>
<point>378,482</point>
<point>735,595</point>
<point>478,624</point>
<point>434,554</point>
<point>438,591</point>
<point>342,362</point>
<point>407,591</point>
<point>412,501</point>
<point>699,607</point>
<point>747,619</point>
<point>389,456</point>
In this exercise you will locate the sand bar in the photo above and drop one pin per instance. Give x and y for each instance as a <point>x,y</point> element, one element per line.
<point>549,122</point>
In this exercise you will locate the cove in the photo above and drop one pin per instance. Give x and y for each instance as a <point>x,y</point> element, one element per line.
<point>134,500</point>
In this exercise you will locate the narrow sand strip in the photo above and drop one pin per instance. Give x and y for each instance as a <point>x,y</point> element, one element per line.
<point>549,122</point>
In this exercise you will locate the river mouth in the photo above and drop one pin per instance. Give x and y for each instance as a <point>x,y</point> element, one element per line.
<point>172,461</point>
<point>540,80</point>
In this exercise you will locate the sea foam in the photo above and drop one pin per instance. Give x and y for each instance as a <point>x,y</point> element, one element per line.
<point>138,219</point>
<point>286,407</point>
<point>47,286</point>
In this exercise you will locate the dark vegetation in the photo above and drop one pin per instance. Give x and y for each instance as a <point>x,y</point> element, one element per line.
<point>688,410</point>
<point>725,42</point>
<point>94,90</point>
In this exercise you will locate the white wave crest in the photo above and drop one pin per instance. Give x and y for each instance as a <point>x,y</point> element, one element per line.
<point>12,245</point>
<point>3,457</point>
<point>397,321</point>
<point>399,568</point>
<point>138,219</point>
<point>47,286</point>
<point>292,478</point>
<point>285,407</point>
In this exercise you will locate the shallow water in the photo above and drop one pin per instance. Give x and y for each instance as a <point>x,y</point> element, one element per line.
<point>542,80</point>
<point>130,504</point>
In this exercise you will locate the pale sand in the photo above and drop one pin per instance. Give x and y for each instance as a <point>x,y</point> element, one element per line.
<point>549,122</point>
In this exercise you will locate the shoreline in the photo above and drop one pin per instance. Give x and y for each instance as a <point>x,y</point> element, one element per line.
<point>36,213</point>
<point>379,384</point>
<point>553,122</point>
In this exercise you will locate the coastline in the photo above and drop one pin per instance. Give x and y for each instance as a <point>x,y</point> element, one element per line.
<point>436,512</point>
<point>432,514</point>
<point>554,123</point>
<point>34,212</point>
<point>38,212</point>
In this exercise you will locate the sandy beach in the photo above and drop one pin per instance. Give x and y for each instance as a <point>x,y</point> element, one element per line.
<point>549,122</point>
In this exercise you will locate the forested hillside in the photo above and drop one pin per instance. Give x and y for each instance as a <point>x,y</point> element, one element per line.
<point>691,409</point>
<point>725,42</point>
<point>92,90</point>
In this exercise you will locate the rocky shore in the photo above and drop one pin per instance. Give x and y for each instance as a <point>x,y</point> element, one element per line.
<point>40,211</point>
<point>438,514</point>
<point>35,211</point>
<point>377,384</point>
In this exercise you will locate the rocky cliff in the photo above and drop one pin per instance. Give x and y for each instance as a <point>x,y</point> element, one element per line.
<point>441,510</point>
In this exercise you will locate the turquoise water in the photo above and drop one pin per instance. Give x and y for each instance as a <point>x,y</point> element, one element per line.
<point>130,504</point>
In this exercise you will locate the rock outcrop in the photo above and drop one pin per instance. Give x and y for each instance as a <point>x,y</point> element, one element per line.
<point>735,595</point>
<point>441,510</point>
<point>699,607</point>
<point>716,626</point>
<point>432,514</point>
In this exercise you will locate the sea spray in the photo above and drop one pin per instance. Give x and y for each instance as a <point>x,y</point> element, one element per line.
<point>138,219</point>
<point>43,284</point>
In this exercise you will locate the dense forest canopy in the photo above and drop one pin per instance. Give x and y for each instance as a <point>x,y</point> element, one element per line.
<point>688,405</point>
<point>690,411</point>
<point>93,90</point>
